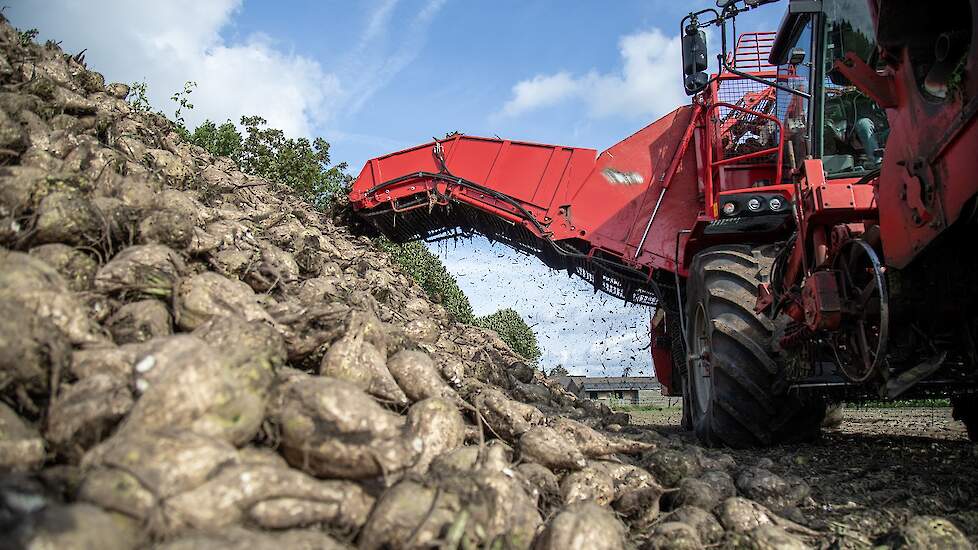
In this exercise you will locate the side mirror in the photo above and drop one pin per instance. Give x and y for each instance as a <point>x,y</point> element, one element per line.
<point>834,75</point>
<point>694,60</point>
<point>837,77</point>
<point>694,51</point>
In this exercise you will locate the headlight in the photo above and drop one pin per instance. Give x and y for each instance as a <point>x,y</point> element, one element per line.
<point>754,204</point>
<point>729,208</point>
<point>776,204</point>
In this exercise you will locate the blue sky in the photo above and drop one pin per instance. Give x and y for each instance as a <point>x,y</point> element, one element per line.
<point>378,75</point>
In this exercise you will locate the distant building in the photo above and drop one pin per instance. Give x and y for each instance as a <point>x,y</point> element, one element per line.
<point>627,389</point>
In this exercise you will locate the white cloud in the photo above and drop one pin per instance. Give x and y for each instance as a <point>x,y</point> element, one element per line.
<point>648,82</point>
<point>377,23</point>
<point>541,91</point>
<point>169,43</point>
<point>292,92</point>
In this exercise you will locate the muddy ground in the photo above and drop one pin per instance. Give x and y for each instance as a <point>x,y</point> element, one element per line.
<point>873,472</point>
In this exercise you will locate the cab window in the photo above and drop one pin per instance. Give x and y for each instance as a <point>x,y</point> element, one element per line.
<point>794,110</point>
<point>854,128</point>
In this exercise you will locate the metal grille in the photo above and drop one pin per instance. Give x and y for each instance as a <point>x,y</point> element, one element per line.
<point>753,50</point>
<point>742,133</point>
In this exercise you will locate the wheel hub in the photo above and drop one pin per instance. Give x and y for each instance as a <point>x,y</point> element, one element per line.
<point>699,360</point>
<point>861,341</point>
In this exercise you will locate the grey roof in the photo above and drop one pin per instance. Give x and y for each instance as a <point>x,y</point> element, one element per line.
<point>614,383</point>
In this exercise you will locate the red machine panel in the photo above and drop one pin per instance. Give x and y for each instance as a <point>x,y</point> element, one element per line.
<point>572,193</point>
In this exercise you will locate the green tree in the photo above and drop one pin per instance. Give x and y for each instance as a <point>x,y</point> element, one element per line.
<point>223,140</point>
<point>267,152</point>
<point>295,162</point>
<point>514,331</point>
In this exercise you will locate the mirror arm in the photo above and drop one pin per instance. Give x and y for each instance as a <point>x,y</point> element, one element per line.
<point>691,16</point>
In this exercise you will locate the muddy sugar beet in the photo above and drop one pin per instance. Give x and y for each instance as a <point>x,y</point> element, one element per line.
<point>193,357</point>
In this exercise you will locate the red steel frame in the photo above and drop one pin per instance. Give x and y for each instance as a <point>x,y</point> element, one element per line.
<point>634,201</point>
<point>630,202</point>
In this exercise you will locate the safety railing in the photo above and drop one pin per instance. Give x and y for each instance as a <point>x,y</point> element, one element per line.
<point>752,52</point>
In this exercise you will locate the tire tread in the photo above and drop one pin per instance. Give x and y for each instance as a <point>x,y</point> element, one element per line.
<point>744,410</point>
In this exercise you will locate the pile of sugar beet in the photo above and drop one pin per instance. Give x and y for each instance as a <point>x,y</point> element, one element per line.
<point>193,357</point>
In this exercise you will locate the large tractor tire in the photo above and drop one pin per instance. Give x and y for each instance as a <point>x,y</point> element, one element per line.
<point>732,374</point>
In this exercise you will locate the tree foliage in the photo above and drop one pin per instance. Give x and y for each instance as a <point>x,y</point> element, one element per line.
<point>296,162</point>
<point>26,37</point>
<point>559,370</point>
<point>265,152</point>
<point>223,140</point>
<point>138,97</point>
<point>514,331</point>
<point>182,99</point>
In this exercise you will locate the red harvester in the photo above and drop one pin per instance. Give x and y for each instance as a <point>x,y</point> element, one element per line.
<point>806,227</point>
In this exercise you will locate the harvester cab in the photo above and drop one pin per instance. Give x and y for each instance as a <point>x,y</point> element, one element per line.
<point>804,226</point>
<point>822,113</point>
